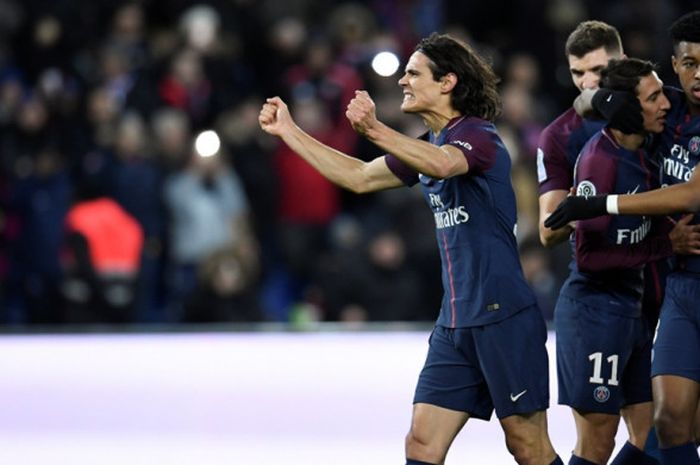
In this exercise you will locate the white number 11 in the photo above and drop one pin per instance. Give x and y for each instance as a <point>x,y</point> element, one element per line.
<point>597,359</point>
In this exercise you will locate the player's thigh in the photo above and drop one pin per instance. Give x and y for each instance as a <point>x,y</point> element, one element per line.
<point>677,342</point>
<point>635,374</point>
<point>514,360</point>
<point>593,350</point>
<point>451,377</point>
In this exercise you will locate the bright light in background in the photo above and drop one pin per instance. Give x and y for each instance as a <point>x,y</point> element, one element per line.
<point>385,63</point>
<point>207,143</point>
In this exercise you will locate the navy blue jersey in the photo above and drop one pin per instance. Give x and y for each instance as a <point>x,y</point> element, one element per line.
<point>475,220</point>
<point>559,146</point>
<point>612,250</point>
<point>679,150</point>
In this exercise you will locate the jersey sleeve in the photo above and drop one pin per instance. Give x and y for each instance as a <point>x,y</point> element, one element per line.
<point>401,170</point>
<point>595,175</point>
<point>477,143</point>
<point>554,172</point>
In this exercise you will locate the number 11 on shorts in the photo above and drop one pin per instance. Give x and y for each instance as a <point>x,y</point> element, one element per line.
<point>597,359</point>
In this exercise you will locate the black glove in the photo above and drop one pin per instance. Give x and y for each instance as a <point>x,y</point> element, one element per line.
<point>620,108</point>
<point>576,208</point>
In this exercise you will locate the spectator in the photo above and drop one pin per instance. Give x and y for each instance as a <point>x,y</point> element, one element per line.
<point>209,212</point>
<point>102,260</point>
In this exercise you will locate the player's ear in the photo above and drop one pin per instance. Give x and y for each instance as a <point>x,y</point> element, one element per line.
<point>448,82</point>
<point>674,64</point>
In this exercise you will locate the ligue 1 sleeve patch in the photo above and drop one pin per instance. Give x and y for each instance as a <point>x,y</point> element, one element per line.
<point>585,189</point>
<point>541,169</point>
<point>694,145</point>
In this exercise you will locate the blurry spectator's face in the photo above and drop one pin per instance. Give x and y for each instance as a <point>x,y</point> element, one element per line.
<point>33,115</point>
<point>585,70</point>
<point>654,103</point>
<point>387,251</point>
<point>420,90</point>
<point>102,107</point>
<point>311,115</point>
<point>187,68</point>
<point>129,20</point>
<point>11,95</point>
<point>686,64</point>
<point>131,138</point>
<point>173,139</point>
<point>318,57</point>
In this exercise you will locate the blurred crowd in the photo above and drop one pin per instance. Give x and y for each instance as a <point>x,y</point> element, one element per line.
<point>110,213</point>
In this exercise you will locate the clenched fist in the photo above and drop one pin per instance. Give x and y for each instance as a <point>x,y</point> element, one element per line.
<point>274,117</point>
<point>361,112</point>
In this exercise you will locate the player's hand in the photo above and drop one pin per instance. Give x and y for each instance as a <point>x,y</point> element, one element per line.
<point>361,112</point>
<point>620,108</point>
<point>576,208</point>
<point>685,237</point>
<point>274,117</point>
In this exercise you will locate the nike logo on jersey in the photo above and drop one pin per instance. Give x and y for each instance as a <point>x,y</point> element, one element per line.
<point>609,98</point>
<point>466,145</point>
<point>634,191</point>
<point>514,398</point>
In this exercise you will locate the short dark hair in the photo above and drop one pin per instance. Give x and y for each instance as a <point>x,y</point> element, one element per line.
<point>686,29</point>
<point>625,74</point>
<point>591,35</point>
<point>476,91</point>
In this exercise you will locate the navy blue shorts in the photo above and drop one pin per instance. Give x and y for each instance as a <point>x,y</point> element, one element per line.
<point>502,365</point>
<point>603,358</point>
<point>677,343</point>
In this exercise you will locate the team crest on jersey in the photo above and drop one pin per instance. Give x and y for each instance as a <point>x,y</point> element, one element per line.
<point>585,189</point>
<point>694,145</point>
<point>601,394</point>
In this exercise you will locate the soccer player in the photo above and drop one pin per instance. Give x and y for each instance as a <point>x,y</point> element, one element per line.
<point>487,349</point>
<point>603,342</point>
<point>676,362</point>
<point>588,49</point>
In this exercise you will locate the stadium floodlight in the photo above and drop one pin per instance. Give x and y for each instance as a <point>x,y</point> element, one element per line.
<point>385,63</point>
<point>207,143</point>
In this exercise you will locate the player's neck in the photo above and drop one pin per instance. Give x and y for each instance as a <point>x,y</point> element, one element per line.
<point>437,120</point>
<point>628,141</point>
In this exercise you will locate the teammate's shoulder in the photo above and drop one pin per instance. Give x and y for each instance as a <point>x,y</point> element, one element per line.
<point>562,125</point>
<point>601,144</point>
<point>674,93</point>
<point>474,128</point>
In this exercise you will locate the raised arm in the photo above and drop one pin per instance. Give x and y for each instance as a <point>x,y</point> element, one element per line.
<point>341,169</point>
<point>435,161</point>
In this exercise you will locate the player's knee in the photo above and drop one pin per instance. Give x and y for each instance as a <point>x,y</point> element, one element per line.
<point>670,427</point>
<point>419,447</point>
<point>525,450</point>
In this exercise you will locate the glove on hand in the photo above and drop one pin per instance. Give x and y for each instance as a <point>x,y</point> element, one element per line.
<point>576,208</point>
<point>620,108</point>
